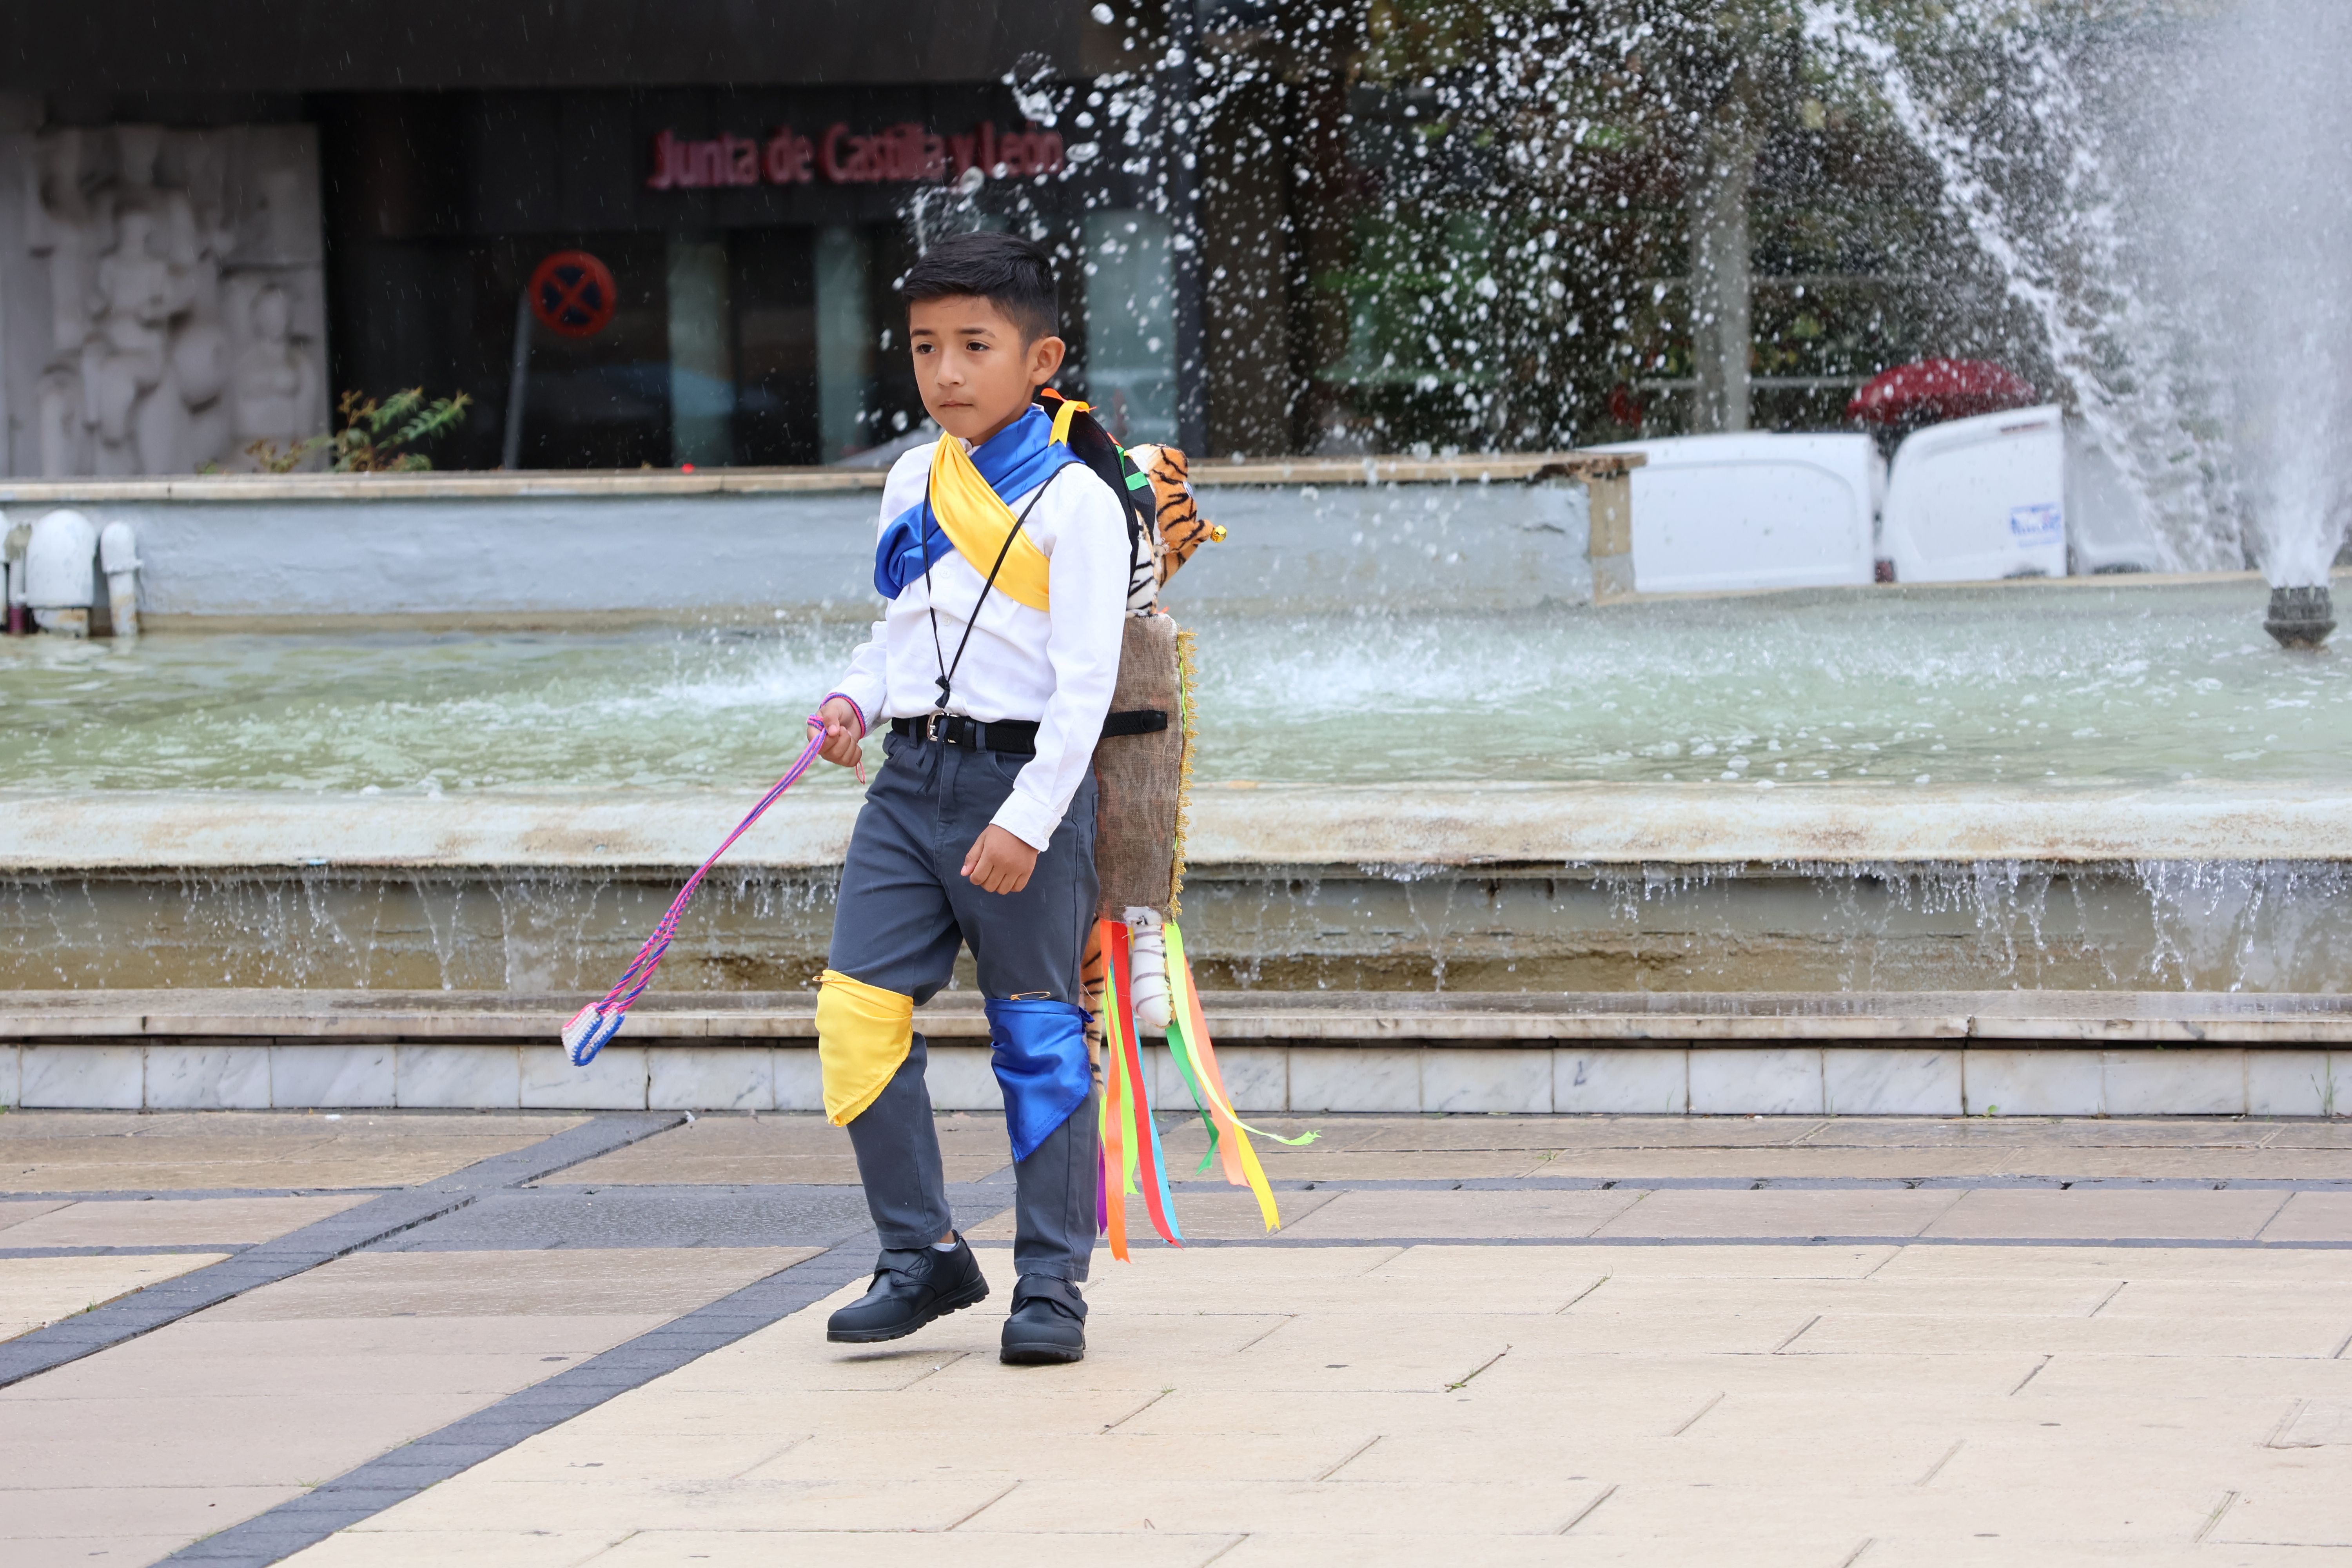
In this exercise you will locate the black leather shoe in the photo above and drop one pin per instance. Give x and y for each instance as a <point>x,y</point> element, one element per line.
<point>1048,1324</point>
<point>911,1288</point>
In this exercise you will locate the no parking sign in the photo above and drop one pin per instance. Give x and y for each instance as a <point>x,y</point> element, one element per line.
<point>571,293</point>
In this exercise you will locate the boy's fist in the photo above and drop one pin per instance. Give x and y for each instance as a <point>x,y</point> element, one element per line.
<point>843,730</point>
<point>999,862</point>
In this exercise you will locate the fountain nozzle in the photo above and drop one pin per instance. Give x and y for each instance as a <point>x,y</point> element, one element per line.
<point>2300,617</point>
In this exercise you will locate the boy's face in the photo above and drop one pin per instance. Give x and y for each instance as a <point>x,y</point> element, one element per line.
<point>976,373</point>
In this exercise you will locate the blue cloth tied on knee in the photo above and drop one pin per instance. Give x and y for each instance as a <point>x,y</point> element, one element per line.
<point>1039,1051</point>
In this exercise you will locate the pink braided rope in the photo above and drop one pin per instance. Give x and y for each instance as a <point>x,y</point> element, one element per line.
<point>598,1022</point>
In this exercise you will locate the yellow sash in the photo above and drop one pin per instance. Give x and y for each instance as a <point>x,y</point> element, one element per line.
<point>977,521</point>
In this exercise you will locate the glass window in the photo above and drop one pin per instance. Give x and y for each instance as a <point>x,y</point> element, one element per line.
<point>1131,324</point>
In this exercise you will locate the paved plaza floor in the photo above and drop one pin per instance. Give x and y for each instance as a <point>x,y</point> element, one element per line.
<point>386,1338</point>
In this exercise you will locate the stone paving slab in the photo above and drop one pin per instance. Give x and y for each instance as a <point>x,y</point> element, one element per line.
<point>1629,1211</point>
<point>87,1152</point>
<point>2104,1213</point>
<point>171,1300</point>
<point>35,1291</point>
<point>372,1488</point>
<point>1374,1148</point>
<point>424,1285</point>
<point>1370,1214</point>
<point>780,1147</point>
<point>460,1549</point>
<point>1651,1427</point>
<point>2028,1260</point>
<point>1598,1362</point>
<point>175,1221</point>
<point>2311,1216</point>
<point>221,1416</point>
<point>1795,1214</point>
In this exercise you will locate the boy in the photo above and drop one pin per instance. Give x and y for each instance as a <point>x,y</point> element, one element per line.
<point>1006,572</point>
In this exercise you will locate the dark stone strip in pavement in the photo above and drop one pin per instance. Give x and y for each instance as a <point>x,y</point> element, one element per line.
<point>395,1477</point>
<point>661,1217</point>
<point>157,1251</point>
<point>150,1309</point>
<point>572,1146</point>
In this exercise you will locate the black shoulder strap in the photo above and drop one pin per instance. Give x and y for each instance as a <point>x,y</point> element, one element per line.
<point>1092,445</point>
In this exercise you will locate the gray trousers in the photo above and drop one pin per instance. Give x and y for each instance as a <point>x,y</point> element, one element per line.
<point>905,909</point>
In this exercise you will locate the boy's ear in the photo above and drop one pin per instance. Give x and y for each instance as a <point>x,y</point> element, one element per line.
<point>1045,356</point>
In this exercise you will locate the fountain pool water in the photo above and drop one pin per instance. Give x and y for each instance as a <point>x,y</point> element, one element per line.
<point>2043,685</point>
<point>2080,785</point>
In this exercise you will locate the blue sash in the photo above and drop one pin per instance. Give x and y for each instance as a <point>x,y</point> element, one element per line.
<point>1015,461</point>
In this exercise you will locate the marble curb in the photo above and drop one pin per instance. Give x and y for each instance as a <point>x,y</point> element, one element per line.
<point>1671,1079</point>
<point>1401,832</point>
<point>1434,1019</point>
<point>619,484</point>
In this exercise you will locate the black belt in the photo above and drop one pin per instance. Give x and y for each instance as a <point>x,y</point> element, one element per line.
<point>1015,737</point>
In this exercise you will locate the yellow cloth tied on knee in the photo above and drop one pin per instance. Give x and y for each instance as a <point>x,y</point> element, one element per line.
<point>863,1033</point>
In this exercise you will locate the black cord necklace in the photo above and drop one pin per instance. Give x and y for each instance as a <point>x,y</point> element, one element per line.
<point>945,680</point>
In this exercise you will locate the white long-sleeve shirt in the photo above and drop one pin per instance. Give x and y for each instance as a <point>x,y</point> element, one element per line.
<point>1055,666</point>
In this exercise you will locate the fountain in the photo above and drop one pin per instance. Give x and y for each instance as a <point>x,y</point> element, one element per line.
<point>2300,617</point>
<point>2147,181</point>
<point>1433,758</point>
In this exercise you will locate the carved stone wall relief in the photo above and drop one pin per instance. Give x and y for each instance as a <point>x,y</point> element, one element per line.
<point>162,298</point>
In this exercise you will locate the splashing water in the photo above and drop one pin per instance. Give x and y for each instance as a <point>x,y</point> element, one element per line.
<point>2154,187</point>
<point>2131,202</point>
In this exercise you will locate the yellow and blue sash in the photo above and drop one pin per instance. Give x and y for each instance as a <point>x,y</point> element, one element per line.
<point>964,509</point>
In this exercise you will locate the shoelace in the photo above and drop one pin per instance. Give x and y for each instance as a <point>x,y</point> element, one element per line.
<point>598,1022</point>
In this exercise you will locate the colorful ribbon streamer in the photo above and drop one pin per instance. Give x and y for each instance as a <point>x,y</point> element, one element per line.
<point>598,1022</point>
<point>1131,1158</point>
<point>1144,1159</point>
<point>1196,1058</point>
<point>1132,1161</point>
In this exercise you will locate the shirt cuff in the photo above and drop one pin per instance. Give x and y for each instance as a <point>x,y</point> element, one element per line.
<point>1026,820</point>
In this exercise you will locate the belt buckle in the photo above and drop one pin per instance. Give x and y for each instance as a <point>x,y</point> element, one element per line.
<point>931,726</point>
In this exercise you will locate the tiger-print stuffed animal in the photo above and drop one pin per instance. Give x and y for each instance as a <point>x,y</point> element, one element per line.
<point>1091,970</point>
<point>1178,530</point>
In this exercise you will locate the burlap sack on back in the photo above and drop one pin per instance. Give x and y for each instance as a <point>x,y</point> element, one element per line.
<point>1140,778</point>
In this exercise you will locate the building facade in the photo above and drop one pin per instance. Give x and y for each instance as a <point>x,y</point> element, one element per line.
<point>1284,225</point>
<point>216,220</point>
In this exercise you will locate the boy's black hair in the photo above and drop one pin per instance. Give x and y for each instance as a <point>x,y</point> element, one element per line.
<point>1008,271</point>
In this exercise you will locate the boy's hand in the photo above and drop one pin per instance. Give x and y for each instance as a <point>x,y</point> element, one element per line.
<point>841,732</point>
<point>999,862</point>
